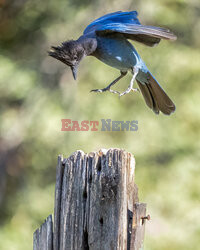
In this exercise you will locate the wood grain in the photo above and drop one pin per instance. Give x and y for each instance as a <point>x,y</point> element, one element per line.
<point>43,236</point>
<point>96,204</point>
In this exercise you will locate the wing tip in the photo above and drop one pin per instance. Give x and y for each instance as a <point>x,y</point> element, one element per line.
<point>172,36</point>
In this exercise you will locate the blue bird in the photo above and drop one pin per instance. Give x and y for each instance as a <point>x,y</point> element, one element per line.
<point>106,38</point>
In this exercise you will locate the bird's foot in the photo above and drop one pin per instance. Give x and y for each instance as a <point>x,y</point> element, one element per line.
<point>104,90</point>
<point>128,91</point>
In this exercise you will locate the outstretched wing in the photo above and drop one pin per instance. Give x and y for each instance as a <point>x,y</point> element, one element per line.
<point>115,17</point>
<point>148,35</point>
<point>127,24</point>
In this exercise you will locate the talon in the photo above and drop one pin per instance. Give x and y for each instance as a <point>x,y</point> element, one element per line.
<point>114,92</point>
<point>125,92</point>
<point>128,91</point>
<point>105,89</point>
<point>96,90</point>
<point>135,90</point>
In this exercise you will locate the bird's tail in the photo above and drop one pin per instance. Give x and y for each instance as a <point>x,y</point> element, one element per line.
<point>154,96</point>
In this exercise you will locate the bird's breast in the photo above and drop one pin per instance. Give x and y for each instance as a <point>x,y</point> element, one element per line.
<point>116,52</point>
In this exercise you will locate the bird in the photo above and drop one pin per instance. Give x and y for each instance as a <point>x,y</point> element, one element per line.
<point>108,39</point>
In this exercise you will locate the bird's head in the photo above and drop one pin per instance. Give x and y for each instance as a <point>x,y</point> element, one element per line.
<point>70,53</point>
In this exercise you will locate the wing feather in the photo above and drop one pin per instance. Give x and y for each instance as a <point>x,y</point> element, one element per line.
<point>149,35</point>
<point>115,17</point>
<point>127,24</point>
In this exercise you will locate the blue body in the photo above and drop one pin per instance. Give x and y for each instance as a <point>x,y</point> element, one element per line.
<point>114,49</point>
<point>117,52</point>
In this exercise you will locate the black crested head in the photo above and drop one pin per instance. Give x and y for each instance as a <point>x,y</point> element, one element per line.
<point>73,51</point>
<point>69,52</point>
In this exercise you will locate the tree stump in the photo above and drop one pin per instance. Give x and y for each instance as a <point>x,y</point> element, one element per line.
<point>96,204</point>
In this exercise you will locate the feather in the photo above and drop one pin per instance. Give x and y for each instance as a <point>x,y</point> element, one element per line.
<point>128,25</point>
<point>155,97</point>
<point>147,35</point>
<point>119,17</point>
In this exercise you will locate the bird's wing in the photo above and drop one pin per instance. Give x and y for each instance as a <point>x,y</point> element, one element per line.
<point>127,24</point>
<point>115,17</point>
<point>148,35</point>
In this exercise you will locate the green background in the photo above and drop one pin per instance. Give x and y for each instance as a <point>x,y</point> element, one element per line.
<point>36,92</point>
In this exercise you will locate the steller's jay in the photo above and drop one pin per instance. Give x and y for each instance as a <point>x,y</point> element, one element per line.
<point>106,38</point>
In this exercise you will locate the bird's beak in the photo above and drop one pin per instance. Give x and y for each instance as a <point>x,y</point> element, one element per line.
<point>74,71</point>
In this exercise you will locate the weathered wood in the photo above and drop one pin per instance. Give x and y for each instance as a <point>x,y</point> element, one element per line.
<point>96,203</point>
<point>58,191</point>
<point>138,226</point>
<point>43,236</point>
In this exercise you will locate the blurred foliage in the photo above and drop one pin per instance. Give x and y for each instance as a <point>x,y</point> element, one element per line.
<point>36,92</point>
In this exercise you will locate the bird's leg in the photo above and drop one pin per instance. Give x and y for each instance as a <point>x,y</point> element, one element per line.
<point>111,84</point>
<point>130,87</point>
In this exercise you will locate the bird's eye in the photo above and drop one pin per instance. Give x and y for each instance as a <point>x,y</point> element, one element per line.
<point>75,57</point>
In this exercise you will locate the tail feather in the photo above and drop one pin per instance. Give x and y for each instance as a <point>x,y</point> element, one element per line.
<point>155,97</point>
